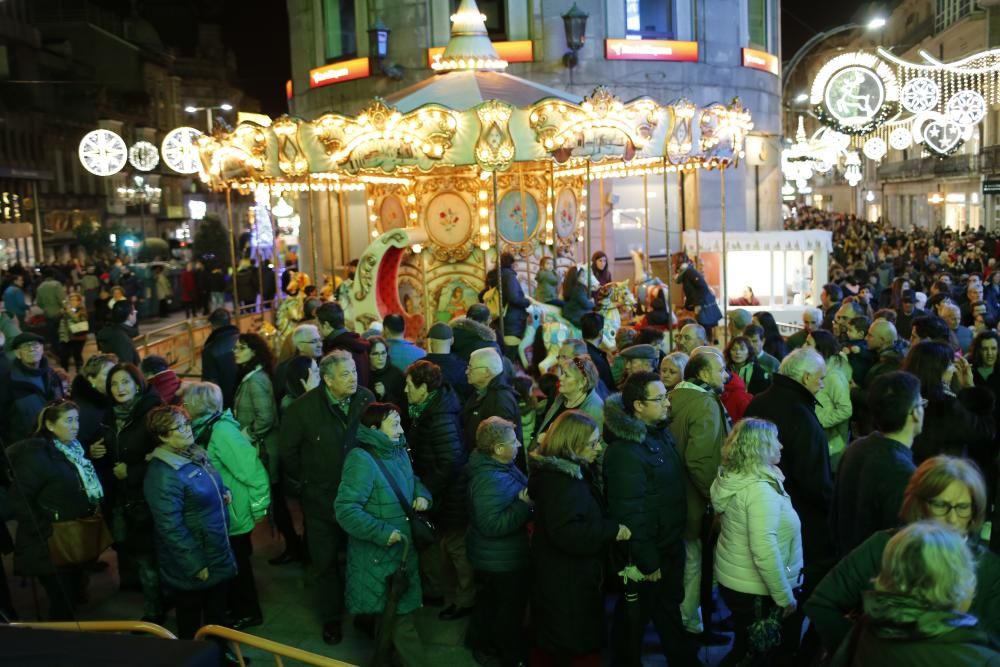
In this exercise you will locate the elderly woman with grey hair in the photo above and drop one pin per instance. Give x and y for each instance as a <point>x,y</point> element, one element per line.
<point>672,369</point>
<point>234,456</point>
<point>917,614</point>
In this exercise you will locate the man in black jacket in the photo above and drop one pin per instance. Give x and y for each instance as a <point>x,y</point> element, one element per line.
<point>434,432</point>
<point>592,329</point>
<point>439,341</point>
<point>116,336</point>
<point>317,431</point>
<point>218,364</point>
<point>805,458</point>
<point>26,387</point>
<point>876,469</point>
<point>330,320</point>
<point>473,332</point>
<point>645,484</point>
<point>494,396</point>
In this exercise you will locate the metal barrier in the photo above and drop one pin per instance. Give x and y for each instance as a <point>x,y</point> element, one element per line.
<point>103,626</point>
<point>279,651</point>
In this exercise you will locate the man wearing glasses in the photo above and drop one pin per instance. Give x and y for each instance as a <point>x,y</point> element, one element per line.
<point>876,468</point>
<point>26,387</point>
<point>308,342</point>
<point>645,484</point>
<point>494,396</point>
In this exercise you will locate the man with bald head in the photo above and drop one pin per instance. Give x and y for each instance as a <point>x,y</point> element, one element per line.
<point>690,337</point>
<point>885,346</point>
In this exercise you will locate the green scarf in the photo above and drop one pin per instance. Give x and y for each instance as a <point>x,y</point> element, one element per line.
<point>418,409</point>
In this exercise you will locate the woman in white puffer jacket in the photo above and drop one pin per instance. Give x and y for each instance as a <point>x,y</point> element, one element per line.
<point>758,559</point>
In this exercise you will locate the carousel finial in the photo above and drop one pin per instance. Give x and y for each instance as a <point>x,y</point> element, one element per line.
<point>470,47</point>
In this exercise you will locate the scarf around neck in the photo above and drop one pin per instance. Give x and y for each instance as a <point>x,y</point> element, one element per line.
<point>73,451</point>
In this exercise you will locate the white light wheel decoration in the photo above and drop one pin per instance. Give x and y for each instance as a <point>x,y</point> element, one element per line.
<point>180,150</point>
<point>900,138</point>
<point>920,94</point>
<point>143,156</point>
<point>874,149</point>
<point>103,153</point>
<point>966,107</point>
<point>839,140</point>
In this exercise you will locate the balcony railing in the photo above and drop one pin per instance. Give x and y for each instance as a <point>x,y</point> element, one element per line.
<point>931,166</point>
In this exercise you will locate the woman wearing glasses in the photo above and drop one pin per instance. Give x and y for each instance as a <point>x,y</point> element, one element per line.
<point>188,500</point>
<point>385,380</point>
<point>944,489</point>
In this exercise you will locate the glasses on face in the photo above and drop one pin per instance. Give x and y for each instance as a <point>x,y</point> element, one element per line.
<point>477,368</point>
<point>662,398</point>
<point>943,508</point>
<point>186,426</point>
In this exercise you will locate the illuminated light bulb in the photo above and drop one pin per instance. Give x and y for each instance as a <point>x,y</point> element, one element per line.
<point>484,175</point>
<point>484,212</point>
<point>374,233</point>
<point>417,248</point>
<point>371,202</point>
<point>413,215</point>
<point>484,230</point>
<point>483,195</point>
<point>372,217</point>
<point>411,199</point>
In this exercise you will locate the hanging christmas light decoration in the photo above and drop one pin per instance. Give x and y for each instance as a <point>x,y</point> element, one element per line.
<point>852,170</point>
<point>900,138</point>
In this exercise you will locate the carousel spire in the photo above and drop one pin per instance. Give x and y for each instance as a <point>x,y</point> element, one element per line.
<point>470,47</point>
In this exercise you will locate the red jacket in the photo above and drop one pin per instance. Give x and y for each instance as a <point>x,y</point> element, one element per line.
<point>735,397</point>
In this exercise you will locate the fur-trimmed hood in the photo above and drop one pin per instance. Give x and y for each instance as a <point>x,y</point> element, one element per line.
<point>621,424</point>
<point>557,464</point>
<point>474,328</point>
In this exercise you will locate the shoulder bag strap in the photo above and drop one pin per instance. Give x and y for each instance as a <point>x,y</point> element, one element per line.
<point>407,508</point>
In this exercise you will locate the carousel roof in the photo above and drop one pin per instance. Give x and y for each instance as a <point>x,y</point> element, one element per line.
<point>465,89</point>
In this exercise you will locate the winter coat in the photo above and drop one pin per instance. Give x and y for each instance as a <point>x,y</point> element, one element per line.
<point>357,346</point>
<point>839,593</point>
<point>900,630</point>
<point>600,360</point>
<point>576,304</point>
<point>129,443</point>
<point>369,511</point>
<point>116,339</point>
<point>393,384</point>
<point>833,406</point>
<point>167,384</point>
<point>218,364</point>
<point>755,378</point>
<point>698,295</point>
<point>956,425</point>
<point>72,315</point>
<point>255,409</point>
<point>453,369</point>
<point>592,406</point>
<point>515,320</point>
<point>546,286</point>
<point>499,400</point>
<point>889,359</point>
<point>439,455</point>
<point>759,551</point>
<point>699,426</point>
<point>644,483</point>
<point>315,438</point>
<point>869,489</point>
<point>497,539</point>
<point>189,287</point>
<point>186,499</point>
<point>469,336</point>
<point>236,460</point>
<point>735,397</point>
<point>94,408</point>
<point>14,302</point>
<point>805,460</point>
<point>402,353</point>
<point>24,391</point>
<point>572,530</point>
<point>48,489</point>
<point>50,296</point>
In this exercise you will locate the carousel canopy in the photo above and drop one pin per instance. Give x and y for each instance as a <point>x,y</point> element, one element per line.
<point>464,90</point>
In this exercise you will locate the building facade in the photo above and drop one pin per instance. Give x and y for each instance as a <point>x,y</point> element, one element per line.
<point>709,51</point>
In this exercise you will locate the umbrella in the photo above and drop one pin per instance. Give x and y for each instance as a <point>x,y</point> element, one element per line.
<point>632,629</point>
<point>396,585</point>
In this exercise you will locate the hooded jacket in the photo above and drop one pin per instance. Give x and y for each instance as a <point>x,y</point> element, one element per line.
<point>900,630</point>
<point>759,551</point>
<point>833,406</point>
<point>469,336</point>
<point>644,482</point>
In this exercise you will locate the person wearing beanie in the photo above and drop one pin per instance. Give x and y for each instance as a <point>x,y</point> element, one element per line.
<point>439,341</point>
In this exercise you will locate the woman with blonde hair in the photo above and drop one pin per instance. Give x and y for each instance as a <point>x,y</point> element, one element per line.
<point>758,558</point>
<point>917,614</point>
<point>572,529</point>
<point>577,390</point>
<point>944,489</point>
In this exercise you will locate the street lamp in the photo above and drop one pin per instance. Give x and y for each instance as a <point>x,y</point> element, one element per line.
<point>140,193</point>
<point>575,25</point>
<point>225,106</point>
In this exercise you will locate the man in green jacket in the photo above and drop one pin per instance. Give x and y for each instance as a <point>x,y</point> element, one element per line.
<point>50,296</point>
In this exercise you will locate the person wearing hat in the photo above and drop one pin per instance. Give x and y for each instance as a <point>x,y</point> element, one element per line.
<point>906,313</point>
<point>26,387</point>
<point>639,359</point>
<point>739,320</point>
<point>439,341</point>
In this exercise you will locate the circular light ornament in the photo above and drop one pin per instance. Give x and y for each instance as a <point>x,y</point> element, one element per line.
<point>822,165</point>
<point>143,156</point>
<point>919,94</point>
<point>180,150</point>
<point>839,140</point>
<point>966,107</point>
<point>103,153</point>
<point>874,148</point>
<point>900,138</point>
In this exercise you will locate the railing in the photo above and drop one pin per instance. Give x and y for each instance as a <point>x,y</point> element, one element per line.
<point>103,626</point>
<point>279,651</point>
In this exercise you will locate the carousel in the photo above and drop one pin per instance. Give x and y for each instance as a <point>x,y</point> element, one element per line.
<point>460,167</point>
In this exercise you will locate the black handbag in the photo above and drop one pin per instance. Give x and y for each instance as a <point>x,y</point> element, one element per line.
<point>421,527</point>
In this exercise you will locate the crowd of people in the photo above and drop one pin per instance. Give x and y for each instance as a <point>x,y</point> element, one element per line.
<point>831,490</point>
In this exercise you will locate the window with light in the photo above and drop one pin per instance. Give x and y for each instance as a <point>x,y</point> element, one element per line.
<point>757,23</point>
<point>339,31</point>
<point>649,19</point>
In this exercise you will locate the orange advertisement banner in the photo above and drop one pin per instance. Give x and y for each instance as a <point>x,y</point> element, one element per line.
<point>761,60</point>
<point>650,49</point>
<point>339,72</point>
<point>521,51</point>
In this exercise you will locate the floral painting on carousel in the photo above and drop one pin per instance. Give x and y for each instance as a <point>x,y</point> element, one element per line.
<point>566,213</point>
<point>454,298</point>
<point>448,220</point>
<point>392,214</point>
<point>517,216</point>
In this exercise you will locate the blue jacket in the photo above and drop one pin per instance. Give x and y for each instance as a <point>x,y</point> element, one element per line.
<point>14,303</point>
<point>497,540</point>
<point>402,353</point>
<point>185,496</point>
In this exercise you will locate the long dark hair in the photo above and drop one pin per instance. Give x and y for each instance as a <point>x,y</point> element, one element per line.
<point>602,276</point>
<point>976,351</point>
<point>774,343</point>
<point>262,354</point>
<point>928,361</point>
<point>571,278</point>
<point>825,342</point>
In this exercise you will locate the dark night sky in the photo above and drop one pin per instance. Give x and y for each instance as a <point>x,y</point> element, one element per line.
<point>801,19</point>
<point>257,32</point>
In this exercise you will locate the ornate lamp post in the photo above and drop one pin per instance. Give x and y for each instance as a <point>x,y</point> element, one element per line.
<point>575,25</point>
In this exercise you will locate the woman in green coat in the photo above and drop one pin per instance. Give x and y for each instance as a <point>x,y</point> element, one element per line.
<point>369,511</point>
